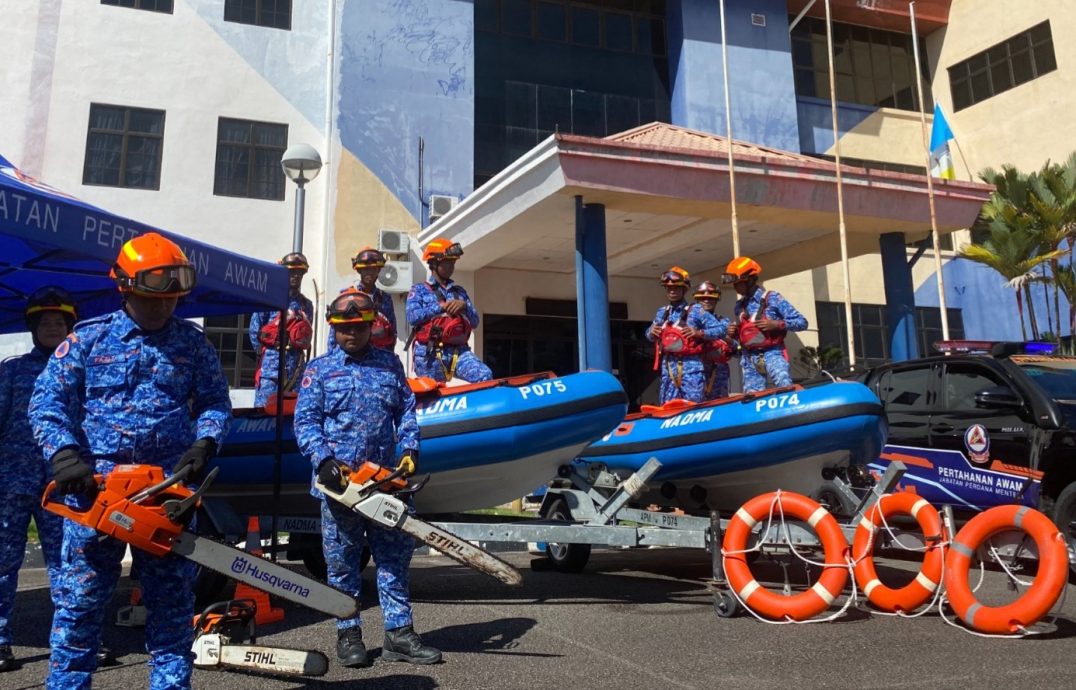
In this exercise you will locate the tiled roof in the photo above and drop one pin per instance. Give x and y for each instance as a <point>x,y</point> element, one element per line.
<point>666,136</point>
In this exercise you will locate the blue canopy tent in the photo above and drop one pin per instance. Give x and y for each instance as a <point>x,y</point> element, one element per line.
<point>48,237</point>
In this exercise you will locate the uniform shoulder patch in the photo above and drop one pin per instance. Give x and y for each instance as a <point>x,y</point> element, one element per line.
<point>307,380</point>
<point>63,348</point>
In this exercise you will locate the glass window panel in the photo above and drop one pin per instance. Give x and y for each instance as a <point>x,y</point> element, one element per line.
<point>963,382</point>
<point>621,113</point>
<point>880,60</point>
<point>485,15</point>
<point>874,343</point>
<point>516,17</point>
<point>648,111</point>
<point>551,21</point>
<point>980,85</point>
<point>248,159</point>
<point>1000,76</point>
<point>106,117</point>
<point>146,121</point>
<point>588,114</point>
<point>520,105</point>
<point>801,53</point>
<point>861,58</point>
<point>846,88</point>
<point>1044,59</point>
<point>618,31</point>
<point>865,91</point>
<point>1021,67</point>
<point>805,83</point>
<point>656,31</point>
<point>1040,33</point>
<point>907,390</point>
<point>554,108</point>
<point>270,135</point>
<point>586,26</point>
<point>961,91</point>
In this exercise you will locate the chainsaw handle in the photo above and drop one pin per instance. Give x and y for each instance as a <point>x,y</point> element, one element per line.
<point>62,509</point>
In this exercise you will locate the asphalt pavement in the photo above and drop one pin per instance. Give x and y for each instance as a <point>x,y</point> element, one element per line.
<point>633,619</point>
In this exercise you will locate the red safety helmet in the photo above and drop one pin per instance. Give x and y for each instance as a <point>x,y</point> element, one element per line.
<point>368,258</point>
<point>442,249</point>
<point>351,306</point>
<point>296,261</point>
<point>676,277</point>
<point>741,268</point>
<point>153,266</point>
<point>707,290</point>
<point>50,298</point>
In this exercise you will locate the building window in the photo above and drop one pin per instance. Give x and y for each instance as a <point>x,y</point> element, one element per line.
<point>1008,64</point>
<point>151,5</point>
<point>248,159</point>
<point>872,330</point>
<point>123,147</point>
<point>616,25</point>
<point>872,67</point>
<point>274,14</point>
<point>237,358</point>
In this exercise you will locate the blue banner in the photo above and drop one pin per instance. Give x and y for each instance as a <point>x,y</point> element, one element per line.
<point>48,237</point>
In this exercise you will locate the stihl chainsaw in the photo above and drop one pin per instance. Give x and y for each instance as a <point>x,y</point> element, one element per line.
<point>368,491</point>
<point>221,632</point>
<point>137,505</point>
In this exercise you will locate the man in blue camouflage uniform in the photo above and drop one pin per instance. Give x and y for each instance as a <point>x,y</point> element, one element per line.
<point>682,371</point>
<point>715,359</point>
<point>50,316</point>
<point>295,354</point>
<point>762,319</point>
<point>368,264</point>
<point>355,405</point>
<point>134,386</point>
<point>442,316</point>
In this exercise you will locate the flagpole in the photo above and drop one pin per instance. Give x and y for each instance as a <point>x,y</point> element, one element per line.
<point>728,135</point>
<point>840,195</point>
<point>930,179</point>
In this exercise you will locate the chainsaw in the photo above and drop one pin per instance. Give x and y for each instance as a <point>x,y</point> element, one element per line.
<point>139,506</point>
<point>368,491</point>
<point>222,634</point>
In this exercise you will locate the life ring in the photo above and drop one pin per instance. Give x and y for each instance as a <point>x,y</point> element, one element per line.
<point>766,602</point>
<point>922,588</point>
<point>1032,605</point>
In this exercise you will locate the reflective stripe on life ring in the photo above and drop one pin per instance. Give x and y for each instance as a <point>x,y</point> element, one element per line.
<point>766,602</point>
<point>1032,605</point>
<point>922,588</point>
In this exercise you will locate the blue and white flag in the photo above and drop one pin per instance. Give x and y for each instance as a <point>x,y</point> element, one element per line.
<point>941,159</point>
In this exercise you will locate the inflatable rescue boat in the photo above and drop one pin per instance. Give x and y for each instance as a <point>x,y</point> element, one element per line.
<point>483,444</point>
<point>722,453</point>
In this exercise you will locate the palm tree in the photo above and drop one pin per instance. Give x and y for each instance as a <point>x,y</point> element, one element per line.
<point>1052,198</point>
<point>1066,280</point>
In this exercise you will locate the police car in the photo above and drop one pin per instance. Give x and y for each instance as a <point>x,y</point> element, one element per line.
<point>984,424</point>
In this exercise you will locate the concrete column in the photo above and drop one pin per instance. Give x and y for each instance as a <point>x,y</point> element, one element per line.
<point>592,288</point>
<point>899,297</point>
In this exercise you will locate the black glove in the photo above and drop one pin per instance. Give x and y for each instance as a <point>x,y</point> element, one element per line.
<point>408,462</point>
<point>197,456</point>
<point>331,475</point>
<point>71,474</point>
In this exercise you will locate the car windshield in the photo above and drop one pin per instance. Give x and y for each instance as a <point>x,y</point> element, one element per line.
<point>1055,375</point>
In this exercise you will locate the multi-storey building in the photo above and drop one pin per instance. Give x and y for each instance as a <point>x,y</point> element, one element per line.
<point>176,112</point>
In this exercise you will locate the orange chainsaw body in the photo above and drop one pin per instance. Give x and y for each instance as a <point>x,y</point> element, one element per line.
<point>372,472</point>
<point>143,525</point>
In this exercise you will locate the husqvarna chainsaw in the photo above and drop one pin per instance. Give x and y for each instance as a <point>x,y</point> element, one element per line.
<point>368,491</point>
<point>137,505</point>
<point>226,639</point>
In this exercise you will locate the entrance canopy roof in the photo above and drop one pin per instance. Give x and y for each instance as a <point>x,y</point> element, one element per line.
<point>666,194</point>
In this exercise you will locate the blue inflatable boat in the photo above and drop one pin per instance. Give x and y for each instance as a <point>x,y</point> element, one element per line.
<point>483,444</point>
<point>725,452</point>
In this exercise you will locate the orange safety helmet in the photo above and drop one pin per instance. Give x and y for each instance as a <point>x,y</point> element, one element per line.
<point>707,289</point>
<point>676,277</point>
<point>442,249</point>
<point>152,265</point>
<point>741,268</point>
<point>368,258</point>
<point>296,261</point>
<point>351,306</point>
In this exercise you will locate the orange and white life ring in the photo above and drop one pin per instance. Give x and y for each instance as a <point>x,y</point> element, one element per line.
<point>1040,597</point>
<point>766,602</point>
<point>926,582</point>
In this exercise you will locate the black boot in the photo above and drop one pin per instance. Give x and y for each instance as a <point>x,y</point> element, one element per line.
<point>7,659</point>
<point>404,644</point>
<point>105,657</point>
<point>349,648</point>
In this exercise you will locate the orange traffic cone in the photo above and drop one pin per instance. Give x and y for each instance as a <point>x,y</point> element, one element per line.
<point>134,614</point>
<point>265,613</point>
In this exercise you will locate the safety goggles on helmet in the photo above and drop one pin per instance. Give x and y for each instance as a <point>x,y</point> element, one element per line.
<point>51,298</point>
<point>707,290</point>
<point>295,262</point>
<point>730,278</point>
<point>450,253</point>
<point>742,268</point>
<point>352,306</point>
<point>368,258</point>
<point>675,277</point>
<point>164,280</point>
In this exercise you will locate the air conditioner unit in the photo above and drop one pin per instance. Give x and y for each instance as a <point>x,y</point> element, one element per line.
<point>441,205</point>
<point>393,241</point>
<point>395,277</point>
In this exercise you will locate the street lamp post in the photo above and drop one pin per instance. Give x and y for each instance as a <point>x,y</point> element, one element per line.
<point>301,163</point>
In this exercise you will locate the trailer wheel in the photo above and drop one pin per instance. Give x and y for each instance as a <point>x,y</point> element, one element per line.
<point>567,558</point>
<point>725,605</point>
<point>1064,514</point>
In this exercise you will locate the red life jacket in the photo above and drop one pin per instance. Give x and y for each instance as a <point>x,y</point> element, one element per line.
<point>382,334</point>
<point>300,332</point>
<point>716,351</point>
<point>751,338</point>
<point>671,340</point>
<point>444,329</point>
